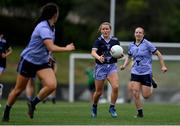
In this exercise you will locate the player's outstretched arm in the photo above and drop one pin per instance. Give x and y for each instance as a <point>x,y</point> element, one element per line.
<point>126,62</point>
<point>160,57</point>
<point>54,48</point>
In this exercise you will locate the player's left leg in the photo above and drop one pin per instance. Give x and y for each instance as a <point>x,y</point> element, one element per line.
<point>48,79</point>
<point>99,84</point>
<point>113,79</point>
<point>136,93</point>
<point>146,86</point>
<point>146,91</point>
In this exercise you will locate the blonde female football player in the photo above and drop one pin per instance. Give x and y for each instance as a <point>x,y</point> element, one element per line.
<point>105,68</point>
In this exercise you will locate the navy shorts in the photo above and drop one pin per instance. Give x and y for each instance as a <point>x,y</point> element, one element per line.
<point>28,69</point>
<point>143,79</point>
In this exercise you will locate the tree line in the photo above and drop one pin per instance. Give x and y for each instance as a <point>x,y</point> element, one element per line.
<point>79,20</point>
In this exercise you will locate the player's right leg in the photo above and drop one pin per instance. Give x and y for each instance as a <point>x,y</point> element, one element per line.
<point>136,86</point>
<point>113,79</point>
<point>21,83</point>
<point>99,84</point>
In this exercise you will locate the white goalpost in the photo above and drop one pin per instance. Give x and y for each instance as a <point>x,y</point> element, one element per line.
<point>72,58</point>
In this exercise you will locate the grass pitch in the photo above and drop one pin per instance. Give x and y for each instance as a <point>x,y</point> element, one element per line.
<point>78,113</point>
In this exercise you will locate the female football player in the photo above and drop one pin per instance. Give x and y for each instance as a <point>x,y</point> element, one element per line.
<point>35,60</point>
<point>106,67</point>
<point>141,51</point>
<point>5,51</point>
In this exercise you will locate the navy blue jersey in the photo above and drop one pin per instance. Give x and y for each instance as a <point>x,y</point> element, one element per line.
<point>103,48</point>
<point>4,46</point>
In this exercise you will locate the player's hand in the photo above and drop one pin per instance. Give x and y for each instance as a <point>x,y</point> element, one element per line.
<point>121,56</point>
<point>101,58</point>
<point>3,55</point>
<point>164,69</point>
<point>122,67</point>
<point>70,47</point>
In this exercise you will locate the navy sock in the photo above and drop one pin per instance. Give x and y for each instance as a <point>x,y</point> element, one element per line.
<point>29,98</point>
<point>35,101</point>
<point>7,108</point>
<point>7,111</point>
<point>94,105</point>
<point>140,112</point>
<point>111,106</point>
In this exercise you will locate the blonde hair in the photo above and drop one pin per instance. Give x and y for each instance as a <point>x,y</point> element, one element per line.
<point>104,23</point>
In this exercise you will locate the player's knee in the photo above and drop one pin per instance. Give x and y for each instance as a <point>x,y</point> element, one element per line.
<point>16,92</point>
<point>135,93</point>
<point>99,93</point>
<point>52,86</point>
<point>146,96</point>
<point>115,88</point>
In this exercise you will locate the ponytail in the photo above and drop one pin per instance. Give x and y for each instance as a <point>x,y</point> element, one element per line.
<point>47,12</point>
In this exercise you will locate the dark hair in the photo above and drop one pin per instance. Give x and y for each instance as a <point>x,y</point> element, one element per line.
<point>48,11</point>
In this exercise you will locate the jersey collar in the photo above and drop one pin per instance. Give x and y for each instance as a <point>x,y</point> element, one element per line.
<point>139,43</point>
<point>105,39</point>
<point>51,27</point>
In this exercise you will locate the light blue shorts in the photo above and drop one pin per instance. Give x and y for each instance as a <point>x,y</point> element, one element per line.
<point>103,70</point>
<point>2,69</point>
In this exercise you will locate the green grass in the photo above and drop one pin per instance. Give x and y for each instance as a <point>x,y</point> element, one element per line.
<point>78,113</point>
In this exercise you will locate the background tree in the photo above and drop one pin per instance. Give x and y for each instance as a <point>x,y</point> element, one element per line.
<point>79,19</point>
<point>18,18</point>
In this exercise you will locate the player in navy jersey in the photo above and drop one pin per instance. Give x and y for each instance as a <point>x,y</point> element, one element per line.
<point>5,50</point>
<point>141,51</point>
<point>35,60</point>
<point>105,68</point>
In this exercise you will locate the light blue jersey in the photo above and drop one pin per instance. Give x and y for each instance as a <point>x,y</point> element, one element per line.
<point>36,52</point>
<point>142,57</point>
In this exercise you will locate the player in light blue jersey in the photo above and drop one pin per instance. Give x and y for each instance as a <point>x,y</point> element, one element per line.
<point>106,68</point>
<point>30,88</point>
<point>141,51</point>
<point>35,60</point>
